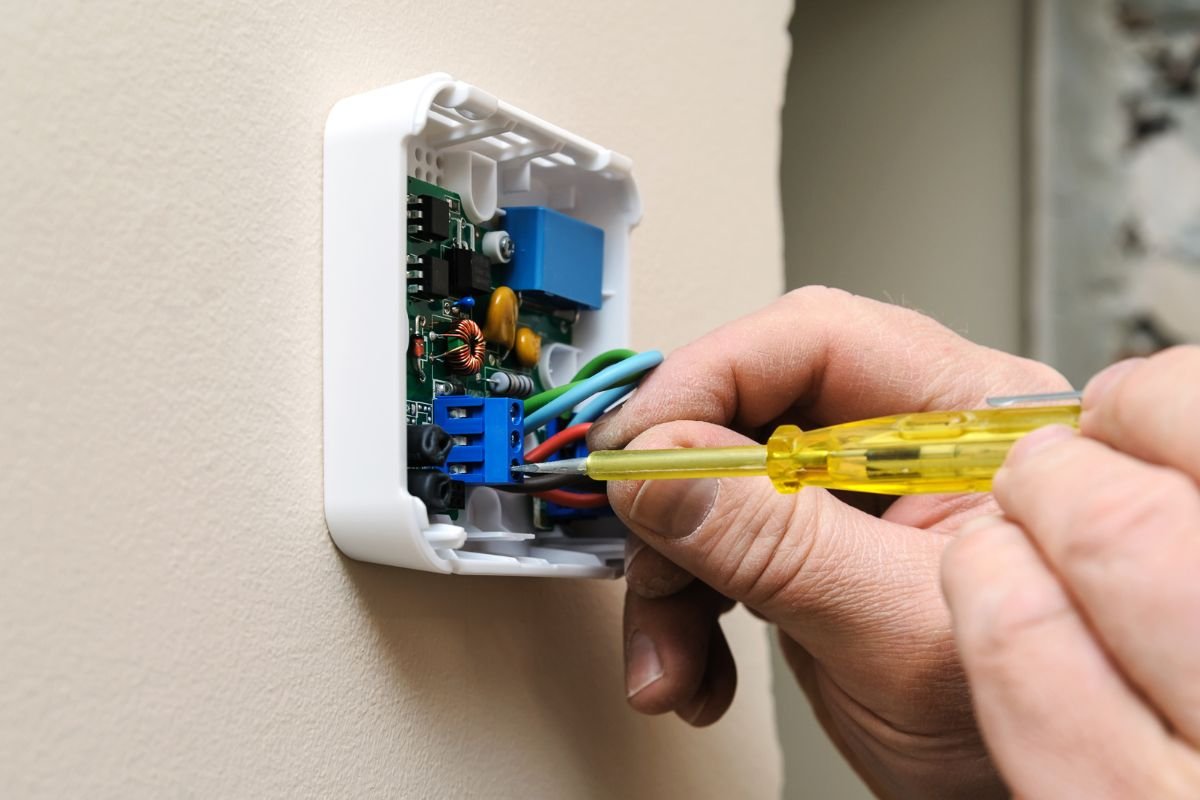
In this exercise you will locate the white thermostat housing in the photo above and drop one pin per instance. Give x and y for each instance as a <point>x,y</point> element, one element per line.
<point>493,155</point>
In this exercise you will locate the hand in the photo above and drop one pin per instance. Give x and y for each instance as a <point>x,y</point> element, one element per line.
<point>1078,615</point>
<point>855,595</point>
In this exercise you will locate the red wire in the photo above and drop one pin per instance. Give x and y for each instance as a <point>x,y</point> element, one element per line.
<point>557,442</point>
<point>551,446</point>
<point>574,499</point>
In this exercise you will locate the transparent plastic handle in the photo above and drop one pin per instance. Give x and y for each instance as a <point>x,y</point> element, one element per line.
<point>712,462</point>
<point>936,451</point>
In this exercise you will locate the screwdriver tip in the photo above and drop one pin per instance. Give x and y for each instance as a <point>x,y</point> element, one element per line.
<point>566,466</point>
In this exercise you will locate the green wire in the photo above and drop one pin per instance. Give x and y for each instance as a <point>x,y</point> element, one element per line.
<point>602,361</point>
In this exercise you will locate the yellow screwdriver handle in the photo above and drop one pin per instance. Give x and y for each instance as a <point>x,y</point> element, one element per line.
<point>933,451</point>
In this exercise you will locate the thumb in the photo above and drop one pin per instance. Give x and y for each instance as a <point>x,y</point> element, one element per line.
<point>825,572</point>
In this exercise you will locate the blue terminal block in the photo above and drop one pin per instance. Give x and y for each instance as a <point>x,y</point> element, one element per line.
<point>488,435</point>
<point>556,256</point>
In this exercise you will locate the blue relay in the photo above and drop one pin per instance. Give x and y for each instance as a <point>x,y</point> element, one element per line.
<point>488,435</point>
<point>555,255</point>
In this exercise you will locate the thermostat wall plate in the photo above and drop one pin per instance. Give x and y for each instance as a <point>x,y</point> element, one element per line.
<point>385,151</point>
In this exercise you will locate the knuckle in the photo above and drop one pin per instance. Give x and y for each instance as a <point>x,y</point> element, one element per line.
<point>1016,612</point>
<point>1144,388</point>
<point>816,295</point>
<point>1044,475</point>
<point>968,565</point>
<point>765,550</point>
<point>1126,403</point>
<point>966,552</point>
<point>651,575</point>
<point>998,604</point>
<point>1108,522</point>
<point>1168,373</point>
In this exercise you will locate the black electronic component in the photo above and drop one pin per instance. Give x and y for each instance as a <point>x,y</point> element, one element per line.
<point>428,445</point>
<point>458,495</point>
<point>429,218</point>
<point>470,272</point>
<point>435,276</point>
<point>432,487</point>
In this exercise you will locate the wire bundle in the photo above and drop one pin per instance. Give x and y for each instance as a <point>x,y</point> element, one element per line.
<point>541,408</point>
<point>599,384</point>
<point>605,359</point>
<point>553,487</point>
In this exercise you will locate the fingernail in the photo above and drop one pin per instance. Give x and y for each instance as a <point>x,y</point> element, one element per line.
<point>674,509</point>
<point>643,667</point>
<point>979,523</point>
<point>1029,444</point>
<point>1103,381</point>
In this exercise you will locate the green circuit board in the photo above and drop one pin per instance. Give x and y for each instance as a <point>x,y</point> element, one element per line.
<point>430,317</point>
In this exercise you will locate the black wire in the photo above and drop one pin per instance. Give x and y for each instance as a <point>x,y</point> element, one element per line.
<point>544,483</point>
<point>586,484</point>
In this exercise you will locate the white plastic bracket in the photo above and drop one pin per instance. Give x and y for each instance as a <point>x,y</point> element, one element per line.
<point>493,154</point>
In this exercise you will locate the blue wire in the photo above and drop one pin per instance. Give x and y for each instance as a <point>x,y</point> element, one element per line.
<point>604,379</point>
<point>596,406</point>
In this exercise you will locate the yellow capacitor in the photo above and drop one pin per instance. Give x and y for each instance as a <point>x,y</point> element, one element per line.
<point>500,326</point>
<point>529,347</point>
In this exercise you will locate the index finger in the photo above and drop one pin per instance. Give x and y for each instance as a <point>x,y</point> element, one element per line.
<point>1147,408</point>
<point>829,353</point>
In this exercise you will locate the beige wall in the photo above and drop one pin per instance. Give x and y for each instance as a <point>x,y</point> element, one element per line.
<point>901,181</point>
<point>174,619</point>
<point>901,157</point>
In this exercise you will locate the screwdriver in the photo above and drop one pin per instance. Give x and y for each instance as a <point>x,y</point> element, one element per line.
<point>924,452</point>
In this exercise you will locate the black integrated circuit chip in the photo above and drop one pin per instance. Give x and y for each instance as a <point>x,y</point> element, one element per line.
<point>435,276</point>
<point>470,272</point>
<point>429,218</point>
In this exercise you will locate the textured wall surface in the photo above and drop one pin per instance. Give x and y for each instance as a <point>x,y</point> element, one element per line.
<point>174,620</point>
